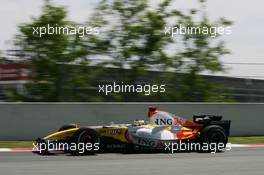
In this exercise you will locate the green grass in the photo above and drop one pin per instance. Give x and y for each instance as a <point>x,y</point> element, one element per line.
<point>234,140</point>
<point>246,140</point>
<point>16,144</point>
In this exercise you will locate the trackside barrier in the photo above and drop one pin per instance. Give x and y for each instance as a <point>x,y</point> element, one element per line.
<point>26,121</point>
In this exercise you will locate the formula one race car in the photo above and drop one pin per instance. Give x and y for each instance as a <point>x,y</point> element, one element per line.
<point>164,132</point>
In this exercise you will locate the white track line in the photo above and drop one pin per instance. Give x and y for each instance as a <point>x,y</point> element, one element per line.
<point>5,150</point>
<point>31,149</point>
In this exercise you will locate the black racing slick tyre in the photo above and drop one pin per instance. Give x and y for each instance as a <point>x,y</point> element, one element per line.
<point>40,145</point>
<point>214,137</point>
<point>68,126</point>
<point>86,141</point>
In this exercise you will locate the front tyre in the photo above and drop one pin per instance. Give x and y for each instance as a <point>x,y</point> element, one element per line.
<point>42,147</point>
<point>85,141</point>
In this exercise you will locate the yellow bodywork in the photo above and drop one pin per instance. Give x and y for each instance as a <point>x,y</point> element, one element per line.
<point>115,133</point>
<point>119,132</point>
<point>61,134</point>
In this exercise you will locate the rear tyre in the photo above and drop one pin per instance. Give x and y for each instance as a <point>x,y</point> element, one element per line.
<point>87,142</point>
<point>214,137</point>
<point>68,126</point>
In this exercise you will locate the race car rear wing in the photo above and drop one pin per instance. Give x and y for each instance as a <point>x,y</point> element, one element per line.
<point>203,119</point>
<point>206,120</point>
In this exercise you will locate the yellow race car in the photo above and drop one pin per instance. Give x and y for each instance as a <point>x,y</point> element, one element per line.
<point>165,133</point>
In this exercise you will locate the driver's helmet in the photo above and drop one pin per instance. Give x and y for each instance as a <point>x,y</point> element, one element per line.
<point>151,111</point>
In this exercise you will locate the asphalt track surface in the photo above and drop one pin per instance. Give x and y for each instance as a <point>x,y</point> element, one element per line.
<point>242,161</point>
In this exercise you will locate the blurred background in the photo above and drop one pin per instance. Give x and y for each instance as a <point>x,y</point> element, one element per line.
<point>131,48</point>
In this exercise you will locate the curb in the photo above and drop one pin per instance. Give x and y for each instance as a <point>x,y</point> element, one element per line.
<point>16,149</point>
<point>247,145</point>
